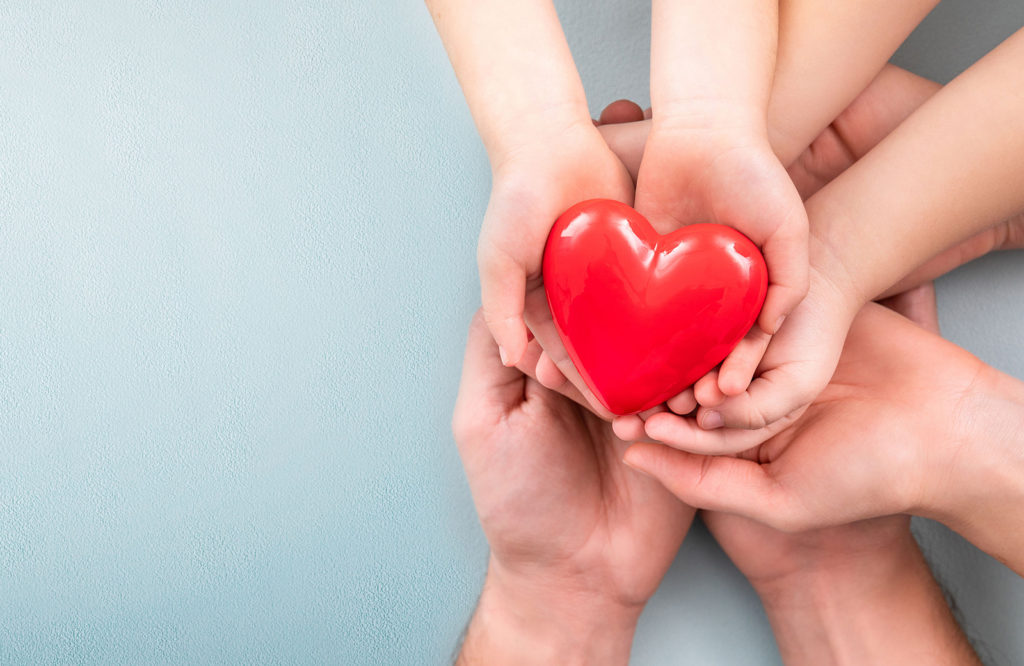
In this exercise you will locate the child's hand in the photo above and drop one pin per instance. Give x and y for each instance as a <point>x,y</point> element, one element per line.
<point>801,357</point>
<point>534,183</point>
<point>729,175</point>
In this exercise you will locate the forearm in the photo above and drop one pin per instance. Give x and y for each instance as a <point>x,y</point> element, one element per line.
<point>1006,235</point>
<point>519,624</point>
<point>949,171</point>
<point>514,66</point>
<point>828,53</point>
<point>712,63</point>
<point>883,608</point>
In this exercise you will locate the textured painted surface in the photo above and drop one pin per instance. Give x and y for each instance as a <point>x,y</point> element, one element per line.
<point>236,262</point>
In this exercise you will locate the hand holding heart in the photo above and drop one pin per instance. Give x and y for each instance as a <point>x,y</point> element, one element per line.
<point>643,316</point>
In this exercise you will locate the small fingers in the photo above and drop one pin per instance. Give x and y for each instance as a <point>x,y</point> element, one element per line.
<point>630,428</point>
<point>707,392</point>
<point>684,403</point>
<point>739,366</point>
<point>786,253</point>
<point>685,434</point>
<point>775,395</point>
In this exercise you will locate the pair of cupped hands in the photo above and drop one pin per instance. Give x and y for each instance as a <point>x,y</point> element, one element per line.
<point>569,523</point>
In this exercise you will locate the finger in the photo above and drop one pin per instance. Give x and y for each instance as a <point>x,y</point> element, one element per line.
<point>733,485</point>
<point>487,386</point>
<point>786,252</point>
<point>772,397</point>
<point>707,392</point>
<point>503,291</point>
<point>739,366</point>
<point>621,111</point>
<point>684,403</point>
<point>543,326</point>
<point>686,435</point>
<point>629,428</point>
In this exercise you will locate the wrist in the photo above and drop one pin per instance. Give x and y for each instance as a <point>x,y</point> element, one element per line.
<point>729,121</point>
<point>878,606</point>
<point>546,620</point>
<point>537,128</point>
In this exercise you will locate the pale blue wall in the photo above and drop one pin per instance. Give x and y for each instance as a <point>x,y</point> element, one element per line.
<point>236,262</point>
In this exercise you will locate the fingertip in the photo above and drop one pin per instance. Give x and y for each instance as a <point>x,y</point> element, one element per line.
<point>628,428</point>
<point>666,427</point>
<point>732,383</point>
<point>684,403</point>
<point>707,392</point>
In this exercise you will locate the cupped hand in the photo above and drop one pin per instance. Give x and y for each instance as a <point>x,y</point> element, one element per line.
<point>560,511</point>
<point>793,366</point>
<point>883,438</point>
<point>692,171</point>
<point>533,183</point>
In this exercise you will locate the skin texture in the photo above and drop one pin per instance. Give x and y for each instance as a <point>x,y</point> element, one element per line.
<point>578,542</point>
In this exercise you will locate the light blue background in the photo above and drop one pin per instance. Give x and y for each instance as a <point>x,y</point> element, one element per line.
<point>236,263</point>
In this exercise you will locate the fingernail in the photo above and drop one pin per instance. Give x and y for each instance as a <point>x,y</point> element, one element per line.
<point>503,355</point>
<point>778,324</point>
<point>712,420</point>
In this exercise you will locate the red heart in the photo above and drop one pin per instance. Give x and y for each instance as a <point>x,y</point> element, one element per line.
<point>642,315</point>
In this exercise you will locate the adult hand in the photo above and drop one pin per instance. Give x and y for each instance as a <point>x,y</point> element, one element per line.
<point>910,423</point>
<point>579,542</point>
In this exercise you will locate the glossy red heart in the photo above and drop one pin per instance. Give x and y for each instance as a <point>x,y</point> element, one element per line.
<point>642,315</point>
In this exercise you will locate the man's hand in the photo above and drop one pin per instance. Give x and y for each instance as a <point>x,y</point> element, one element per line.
<point>910,423</point>
<point>579,542</point>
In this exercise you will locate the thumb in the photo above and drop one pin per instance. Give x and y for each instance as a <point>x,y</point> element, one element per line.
<point>716,483</point>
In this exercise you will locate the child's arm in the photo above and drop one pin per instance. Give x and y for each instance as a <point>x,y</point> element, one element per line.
<point>708,157</point>
<point>828,53</point>
<point>526,97</point>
